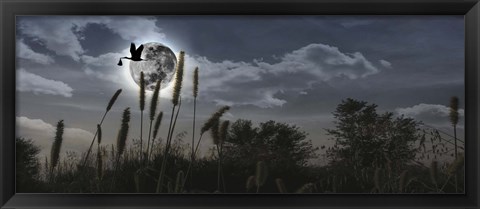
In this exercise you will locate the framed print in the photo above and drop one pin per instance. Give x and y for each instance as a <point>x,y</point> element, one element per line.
<point>256,104</point>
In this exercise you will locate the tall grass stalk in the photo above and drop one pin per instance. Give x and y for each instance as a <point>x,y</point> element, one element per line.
<point>175,120</point>
<point>99,165</point>
<point>158,122</point>
<point>195,94</point>
<point>457,164</point>
<point>216,141</point>
<point>99,170</point>
<point>175,101</point>
<point>153,109</point>
<point>99,153</point>
<point>167,151</point>
<point>142,107</point>
<point>109,107</point>
<point>56,146</point>
<point>453,169</point>
<point>454,120</point>
<point>121,141</point>
<point>206,126</point>
<point>165,154</point>
<point>222,137</point>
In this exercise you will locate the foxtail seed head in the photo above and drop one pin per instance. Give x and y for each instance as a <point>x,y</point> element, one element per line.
<point>154,103</point>
<point>113,99</point>
<point>158,121</point>
<point>178,78</point>
<point>454,110</point>
<point>99,133</point>
<point>123,132</point>
<point>56,146</point>
<point>216,116</point>
<point>195,82</point>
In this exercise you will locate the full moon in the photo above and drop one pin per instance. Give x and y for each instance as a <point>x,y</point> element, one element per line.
<point>158,63</point>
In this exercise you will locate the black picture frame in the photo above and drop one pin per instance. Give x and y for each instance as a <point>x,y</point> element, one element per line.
<point>10,8</point>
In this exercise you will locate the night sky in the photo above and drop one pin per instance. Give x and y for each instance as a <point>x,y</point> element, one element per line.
<point>292,69</point>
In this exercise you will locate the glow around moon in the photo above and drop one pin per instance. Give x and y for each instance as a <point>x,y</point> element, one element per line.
<point>158,63</point>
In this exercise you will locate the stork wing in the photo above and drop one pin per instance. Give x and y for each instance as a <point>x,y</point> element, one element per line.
<point>140,49</point>
<point>132,49</point>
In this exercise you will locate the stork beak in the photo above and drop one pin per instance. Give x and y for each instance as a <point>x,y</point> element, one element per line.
<point>119,62</point>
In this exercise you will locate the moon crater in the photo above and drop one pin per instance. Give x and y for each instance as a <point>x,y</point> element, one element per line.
<point>158,63</point>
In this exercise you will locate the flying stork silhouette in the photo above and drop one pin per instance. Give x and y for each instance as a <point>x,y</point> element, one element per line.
<point>135,54</point>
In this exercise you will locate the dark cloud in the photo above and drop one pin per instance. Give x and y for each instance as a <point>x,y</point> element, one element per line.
<point>25,52</point>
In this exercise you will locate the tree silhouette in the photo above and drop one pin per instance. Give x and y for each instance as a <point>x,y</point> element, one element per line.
<point>27,165</point>
<point>283,147</point>
<point>364,138</point>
